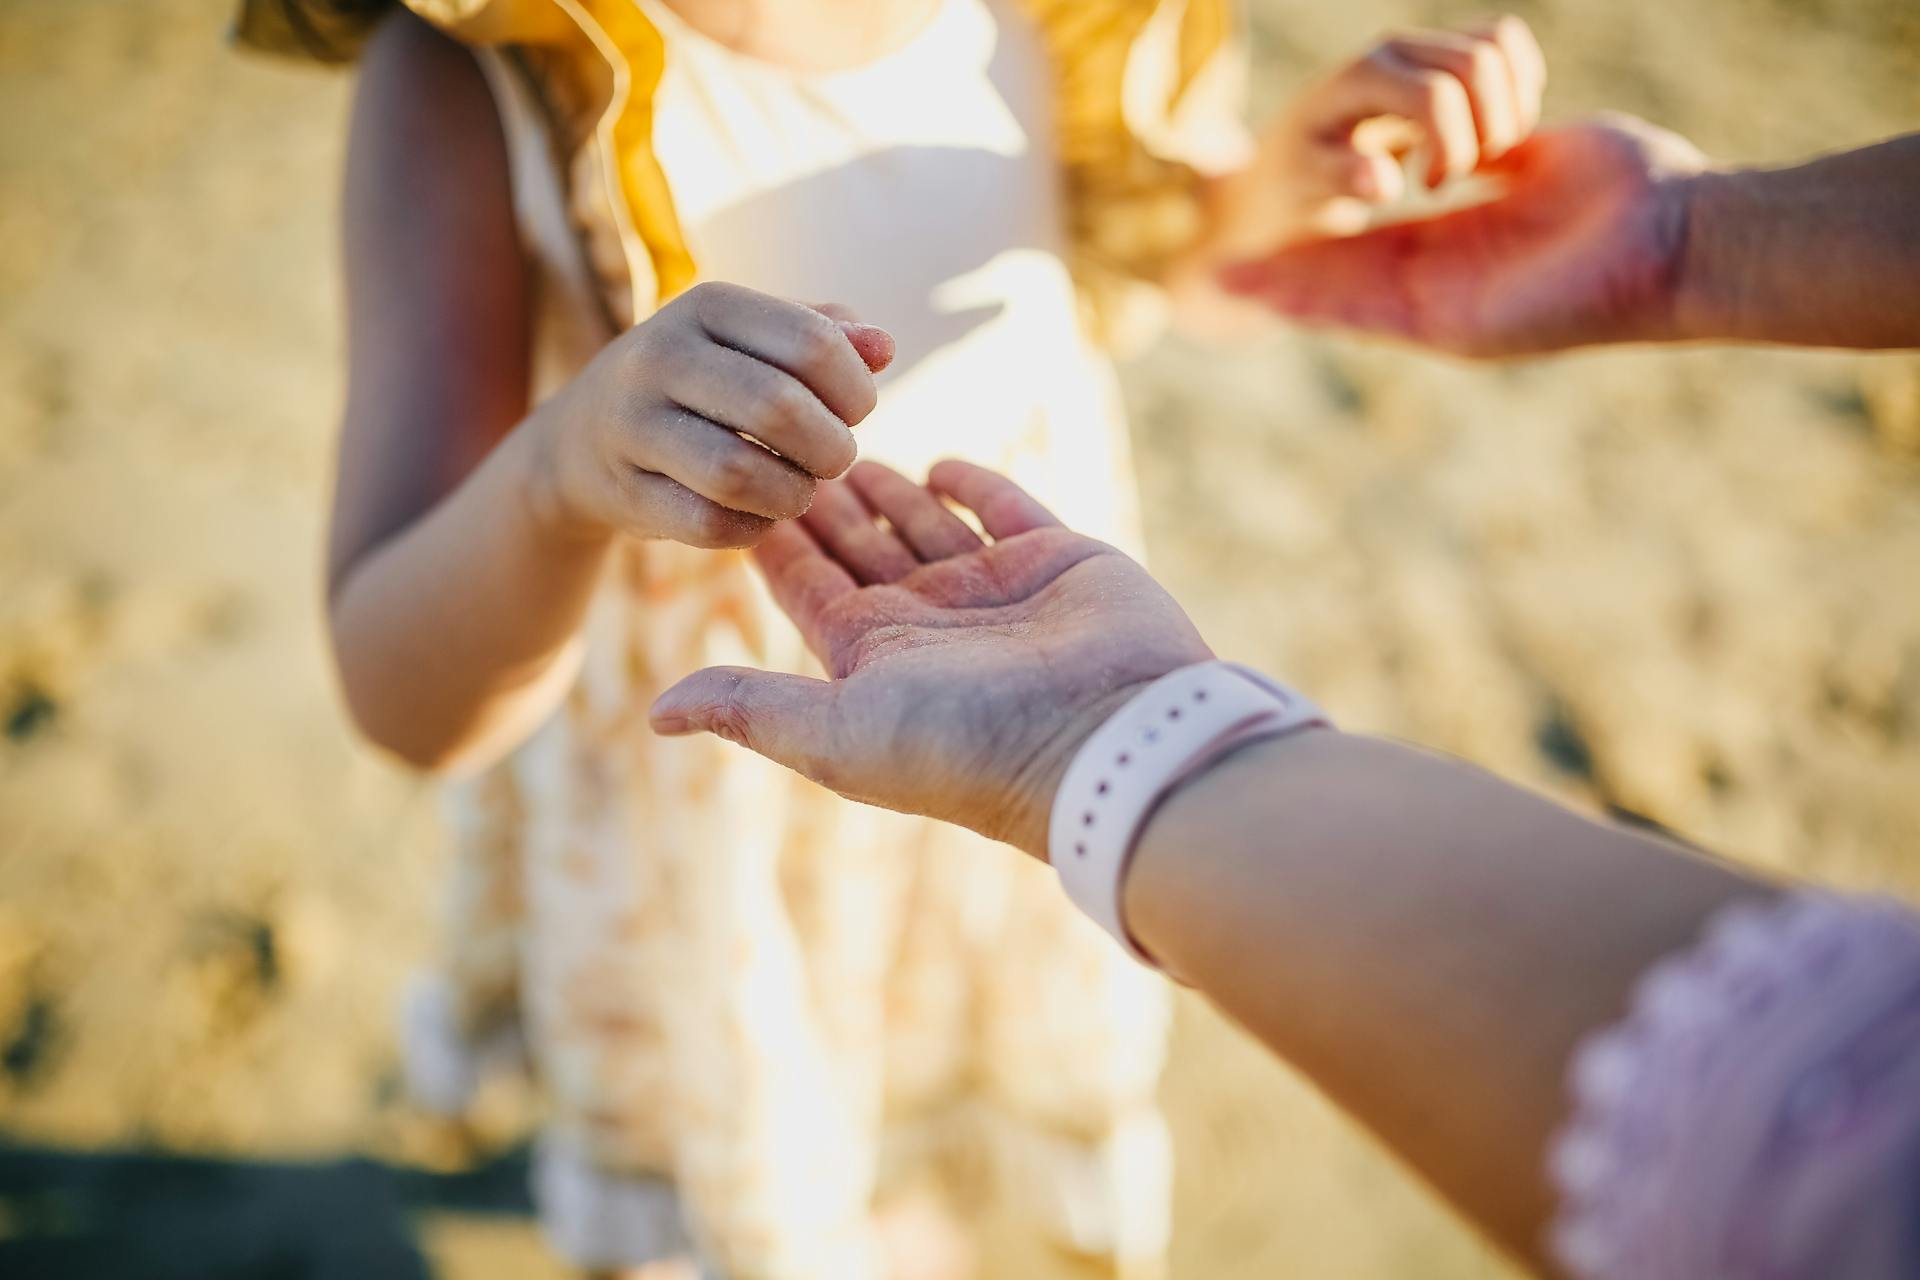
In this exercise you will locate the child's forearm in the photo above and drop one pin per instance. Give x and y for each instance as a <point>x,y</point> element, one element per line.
<point>456,634</point>
<point>1825,253</point>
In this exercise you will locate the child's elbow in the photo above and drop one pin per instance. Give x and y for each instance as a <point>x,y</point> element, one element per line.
<point>410,740</point>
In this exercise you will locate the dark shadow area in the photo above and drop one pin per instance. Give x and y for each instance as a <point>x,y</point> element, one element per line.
<point>152,1216</point>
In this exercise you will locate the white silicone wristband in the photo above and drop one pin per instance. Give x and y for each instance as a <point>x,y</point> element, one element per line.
<point>1174,727</point>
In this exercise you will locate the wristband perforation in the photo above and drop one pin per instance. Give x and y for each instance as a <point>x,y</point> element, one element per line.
<point>1162,736</point>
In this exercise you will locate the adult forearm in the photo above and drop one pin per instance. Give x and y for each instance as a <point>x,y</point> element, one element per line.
<point>1424,941</point>
<point>1825,253</point>
<point>456,634</point>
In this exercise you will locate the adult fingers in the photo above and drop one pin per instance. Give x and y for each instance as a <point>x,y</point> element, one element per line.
<point>1004,508</point>
<point>810,346</point>
<point>929,529</point>
<point>844,527</point>
<point>785,718</point>
<point>718,465</point>
<point>1480,66</point>
<point>804,580</point>
<point>767,403</point>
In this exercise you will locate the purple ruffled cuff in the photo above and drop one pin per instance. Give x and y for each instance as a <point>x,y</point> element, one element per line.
<point>1757,1114</point>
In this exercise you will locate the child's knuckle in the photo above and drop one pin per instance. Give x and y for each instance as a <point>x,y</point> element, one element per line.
<point>819,342</point>
<point>638,351</point>
<point>706,294</point>
<point>784,409</point>
<point>704,302</point>
<point>1486,61</point>
<point>735,475</point>
<point>1430,90</point>
<point>1510,26</point>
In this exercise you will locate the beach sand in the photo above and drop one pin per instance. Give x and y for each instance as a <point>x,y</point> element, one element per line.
<point>1678,585</point>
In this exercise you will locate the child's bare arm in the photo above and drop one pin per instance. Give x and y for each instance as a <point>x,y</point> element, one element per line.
<point>469,534</point>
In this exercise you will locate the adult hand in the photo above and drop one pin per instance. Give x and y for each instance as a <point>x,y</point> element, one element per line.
<point>1583,244</point>
<point>965,673</point>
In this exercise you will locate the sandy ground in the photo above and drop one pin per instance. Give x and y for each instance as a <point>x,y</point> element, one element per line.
<point>1678,584</point>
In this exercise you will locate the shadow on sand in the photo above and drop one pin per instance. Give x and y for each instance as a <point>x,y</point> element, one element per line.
<point>122,1215</point>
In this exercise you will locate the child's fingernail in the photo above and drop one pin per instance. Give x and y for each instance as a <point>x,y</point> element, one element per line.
<point>874,344</point>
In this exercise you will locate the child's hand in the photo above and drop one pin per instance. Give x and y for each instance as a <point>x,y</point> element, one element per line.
<point>1463,99</point>
<point>650,440</point>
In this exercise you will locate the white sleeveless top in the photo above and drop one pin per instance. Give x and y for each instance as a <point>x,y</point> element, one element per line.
<point>670,915</point>
<point>920,189</point>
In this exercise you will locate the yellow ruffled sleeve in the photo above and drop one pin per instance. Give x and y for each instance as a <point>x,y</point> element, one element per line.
<point>616,178</point>
<point>333,32</point>
<point>1148,99</point>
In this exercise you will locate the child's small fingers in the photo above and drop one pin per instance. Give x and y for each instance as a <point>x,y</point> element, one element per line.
<point>846,531</point>
<point>1385,84</point>
<point>838,312</point>
<point>929,529</point>
<point>875,345</point>
<point>1480,66</point>
<point>719,465</point>
<point>668,509</point>
<point>1526,64</point>
<point>1364,169</point>
<point>1005,509</point>
<point>795,338</point>
<point>769,404</point>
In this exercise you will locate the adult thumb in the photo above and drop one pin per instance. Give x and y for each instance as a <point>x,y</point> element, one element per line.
<point>1355,281</point>
<point>782,717</point>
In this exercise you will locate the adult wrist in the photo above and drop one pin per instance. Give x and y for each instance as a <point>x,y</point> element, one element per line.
<point>1175,728</point>
<point>1151,894</point>
<point>1039,782</point>
<point>1709,278</point>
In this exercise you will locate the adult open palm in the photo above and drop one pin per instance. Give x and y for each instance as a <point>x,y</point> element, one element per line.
<point>1581,245</point>
<point>964,672</point>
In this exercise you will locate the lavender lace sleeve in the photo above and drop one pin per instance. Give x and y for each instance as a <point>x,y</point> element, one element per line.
<point>1757,1114</point>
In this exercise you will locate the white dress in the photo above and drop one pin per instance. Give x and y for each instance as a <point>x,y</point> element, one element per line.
<point>920,190</point>
<point>734,984</point>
